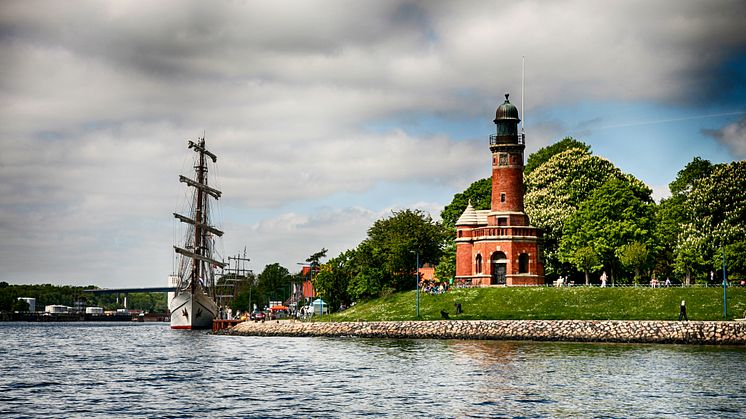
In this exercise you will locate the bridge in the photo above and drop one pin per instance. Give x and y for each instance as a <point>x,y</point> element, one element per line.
<point>127,291</point>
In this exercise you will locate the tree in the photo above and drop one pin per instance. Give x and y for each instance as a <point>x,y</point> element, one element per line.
<point>556,189</point>
<point>394,241</point>
<point>585,259</point>
<point>616,213</point>
<point>543,155</point>
<point>385,260</point>
<point>694,171</point>
<point>717,204</point>
<point>316,257</point>
<point>478,193</point>
<point>679,253</point>
<point>636,256</point>
<point>333,280</point>
<point>273,283</point>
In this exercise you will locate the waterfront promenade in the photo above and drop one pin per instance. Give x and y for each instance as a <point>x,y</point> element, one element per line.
<point>686,332</point>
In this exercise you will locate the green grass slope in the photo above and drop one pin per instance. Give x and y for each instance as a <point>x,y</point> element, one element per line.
<point>573,303</point>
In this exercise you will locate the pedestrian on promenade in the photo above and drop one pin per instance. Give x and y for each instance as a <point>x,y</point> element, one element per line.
<point>603,280</point>
<point>682,311</point>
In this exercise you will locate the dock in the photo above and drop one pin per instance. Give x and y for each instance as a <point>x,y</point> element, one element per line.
<point>220,324</point>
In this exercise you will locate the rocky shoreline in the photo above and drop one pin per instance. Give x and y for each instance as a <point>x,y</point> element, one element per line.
<point>688,332</point>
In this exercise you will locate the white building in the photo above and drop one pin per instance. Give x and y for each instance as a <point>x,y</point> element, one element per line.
<point>94,310</point>
<point>31,303</point>
<point>56,309</point>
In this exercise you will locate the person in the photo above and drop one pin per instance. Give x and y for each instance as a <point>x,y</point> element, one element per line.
<point>682,311</point>
<point>603,280</point>
<point>668,282</point>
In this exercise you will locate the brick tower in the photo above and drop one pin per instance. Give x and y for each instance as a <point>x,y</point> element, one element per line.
<point>498,246</point>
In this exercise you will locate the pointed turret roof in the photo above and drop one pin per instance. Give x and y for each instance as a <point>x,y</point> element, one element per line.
<point>468,217</point>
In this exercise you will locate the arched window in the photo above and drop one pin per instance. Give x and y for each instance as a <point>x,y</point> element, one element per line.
<point>523,263</point>
<point>479,264</point>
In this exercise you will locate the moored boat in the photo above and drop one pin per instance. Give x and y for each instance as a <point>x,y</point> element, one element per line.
<point>193,304</point>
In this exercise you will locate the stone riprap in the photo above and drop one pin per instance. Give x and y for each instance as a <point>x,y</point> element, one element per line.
<point>693,332</point>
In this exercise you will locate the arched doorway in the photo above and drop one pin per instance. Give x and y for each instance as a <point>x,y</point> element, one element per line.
<point>498,265</point>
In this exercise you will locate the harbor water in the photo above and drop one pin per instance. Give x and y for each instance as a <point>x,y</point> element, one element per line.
<point>149,370</point>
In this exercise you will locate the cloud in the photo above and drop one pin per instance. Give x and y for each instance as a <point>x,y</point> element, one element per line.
<point>98,98</point>
<point>732,136</point>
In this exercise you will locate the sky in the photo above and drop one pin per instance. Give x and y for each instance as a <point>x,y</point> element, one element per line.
<point>327,115</point>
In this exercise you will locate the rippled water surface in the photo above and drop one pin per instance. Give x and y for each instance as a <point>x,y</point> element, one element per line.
<point>148,370</point>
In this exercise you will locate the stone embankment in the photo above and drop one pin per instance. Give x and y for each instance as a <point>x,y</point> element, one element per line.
<point>693,332</point>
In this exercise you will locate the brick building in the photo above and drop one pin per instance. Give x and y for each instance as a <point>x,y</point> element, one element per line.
<point>498,246</point>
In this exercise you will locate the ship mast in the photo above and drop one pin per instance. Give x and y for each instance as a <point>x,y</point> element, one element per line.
<point>199,216</point>
<point>201,251</point>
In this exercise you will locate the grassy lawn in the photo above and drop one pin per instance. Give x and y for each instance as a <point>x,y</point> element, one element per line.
<point>572,303</point>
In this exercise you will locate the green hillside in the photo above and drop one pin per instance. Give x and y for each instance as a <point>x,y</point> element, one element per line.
<point>574,303</point>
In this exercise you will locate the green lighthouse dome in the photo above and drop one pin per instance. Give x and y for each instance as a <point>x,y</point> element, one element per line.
<point>506,111</point>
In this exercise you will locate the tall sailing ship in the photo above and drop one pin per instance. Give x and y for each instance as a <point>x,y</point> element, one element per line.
<point>193,305</point>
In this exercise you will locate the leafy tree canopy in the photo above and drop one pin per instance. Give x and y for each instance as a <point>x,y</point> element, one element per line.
<point>543,155</point>
<point>718,207</point>
<point>618,212</point>
<point>555,190</point>
<point>695,170</point>
<point>273,283</point>
<point>480,195</point>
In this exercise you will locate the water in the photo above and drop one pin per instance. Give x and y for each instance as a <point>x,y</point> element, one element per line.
<point>148,370</point>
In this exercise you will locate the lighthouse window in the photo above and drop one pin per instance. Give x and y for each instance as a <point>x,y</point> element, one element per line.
<point>502,196</point>
<point>523,263</point>
<point>503,159</point>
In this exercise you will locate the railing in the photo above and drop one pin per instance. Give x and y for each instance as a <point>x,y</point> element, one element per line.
<point>504,232</point>
<point>520,139</point>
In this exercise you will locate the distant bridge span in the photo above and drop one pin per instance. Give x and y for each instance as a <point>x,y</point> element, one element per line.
<point>126,291</point>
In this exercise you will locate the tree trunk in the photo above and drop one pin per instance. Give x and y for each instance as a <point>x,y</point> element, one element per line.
<point>586,279</point>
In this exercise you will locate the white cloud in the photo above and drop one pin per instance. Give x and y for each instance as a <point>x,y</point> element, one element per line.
<point>98,98</point>
<point>732,136</point>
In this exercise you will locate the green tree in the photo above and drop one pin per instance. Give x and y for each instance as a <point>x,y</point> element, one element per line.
<point>273,283</point>
<point>718,207</point>
<point>634,256</point>
<point>679,253</point>
<point>586,260</point>
<point>333,279</point>
<point>616,213</point>
<point>478,193</point>
<point>556,189</point>
<point>543,155</point>
<point>315,258</point>
<point>394,241</point>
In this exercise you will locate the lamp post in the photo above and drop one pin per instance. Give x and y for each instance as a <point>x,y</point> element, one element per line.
<point>725,287</point>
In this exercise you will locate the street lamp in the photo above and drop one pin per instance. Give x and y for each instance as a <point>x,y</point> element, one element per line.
<point>725,287</point>
<point>417,284</point>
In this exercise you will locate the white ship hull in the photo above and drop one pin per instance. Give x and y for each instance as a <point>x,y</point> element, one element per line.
<point>192,311</point>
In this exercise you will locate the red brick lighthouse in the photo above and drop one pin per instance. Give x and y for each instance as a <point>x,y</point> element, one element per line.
<point>498,246</point>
